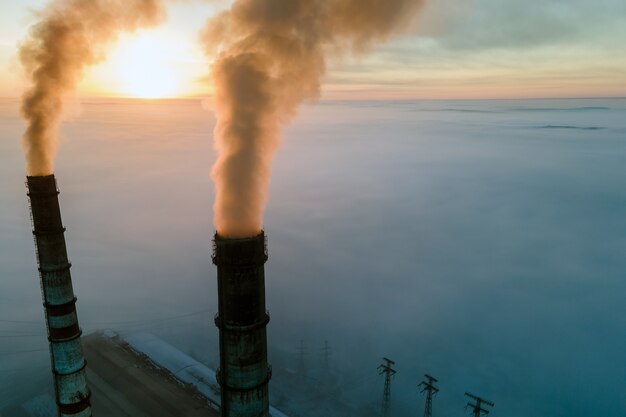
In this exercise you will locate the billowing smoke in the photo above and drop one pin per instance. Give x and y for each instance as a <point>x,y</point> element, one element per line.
<point>270,57</point>
<point>70,35</point>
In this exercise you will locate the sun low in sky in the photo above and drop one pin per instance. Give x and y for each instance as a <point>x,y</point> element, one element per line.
<point>165,61</point>
<point>151,64</point>
<point>458,49</point>
<point>142,70</point>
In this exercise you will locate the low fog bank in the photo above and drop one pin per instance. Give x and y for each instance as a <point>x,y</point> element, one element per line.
<point>481,242</point>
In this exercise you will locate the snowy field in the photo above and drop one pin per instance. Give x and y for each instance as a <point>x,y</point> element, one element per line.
<point>482,242</point>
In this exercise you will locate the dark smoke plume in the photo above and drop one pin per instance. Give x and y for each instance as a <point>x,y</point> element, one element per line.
<point>270,57</point>
<point>70,35</point>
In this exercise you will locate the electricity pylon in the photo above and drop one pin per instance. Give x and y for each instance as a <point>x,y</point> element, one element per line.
<point>477,408</point>
<point>430,389</point>
<point>326,352</point>
<point>387,370</point>
<point>301,363</point>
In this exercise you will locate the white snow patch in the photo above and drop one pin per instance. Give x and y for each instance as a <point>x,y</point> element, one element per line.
<point>182,366</point>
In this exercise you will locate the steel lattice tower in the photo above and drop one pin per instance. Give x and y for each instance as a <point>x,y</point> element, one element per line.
<point>430,390</point>
<point>301,362</point>
<point>327,353</point>
<point>387,370</point>
<point>477,408</point>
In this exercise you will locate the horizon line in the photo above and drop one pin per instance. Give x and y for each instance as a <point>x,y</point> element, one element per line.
<point>322,99</point>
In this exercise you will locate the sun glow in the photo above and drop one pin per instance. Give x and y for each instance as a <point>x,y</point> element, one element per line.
<point>145,71</point>
<point>148,65</point>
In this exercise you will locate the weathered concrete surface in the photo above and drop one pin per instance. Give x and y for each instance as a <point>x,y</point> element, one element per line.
<point>66,354</point>
<point>124,383</point>
<point>244,373</point>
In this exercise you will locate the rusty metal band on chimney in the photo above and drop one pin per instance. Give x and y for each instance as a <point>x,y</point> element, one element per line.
<point>244,373</point>
<point>66,353</point>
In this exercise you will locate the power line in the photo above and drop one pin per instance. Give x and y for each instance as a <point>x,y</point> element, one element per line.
<point>23,351</point>
<point>143,322</point>
<point>21,321</point>
<point>351,385</point>
<point>122,323</point>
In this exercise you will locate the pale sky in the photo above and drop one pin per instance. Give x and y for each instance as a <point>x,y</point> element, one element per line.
<point>458,49</point>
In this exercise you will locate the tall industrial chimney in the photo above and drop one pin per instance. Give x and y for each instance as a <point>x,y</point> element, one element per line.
<point>244,373</point>
<point>66,352</point>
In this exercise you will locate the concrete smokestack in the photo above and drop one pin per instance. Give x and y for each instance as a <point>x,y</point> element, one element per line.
<point>244,373</point>
<point>66,352</point>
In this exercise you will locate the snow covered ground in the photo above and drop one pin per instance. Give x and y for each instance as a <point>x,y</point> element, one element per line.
<point>182,366</point>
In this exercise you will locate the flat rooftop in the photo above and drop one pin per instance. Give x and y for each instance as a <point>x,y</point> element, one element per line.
<point>136,376</point>
<point>126,383</point>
